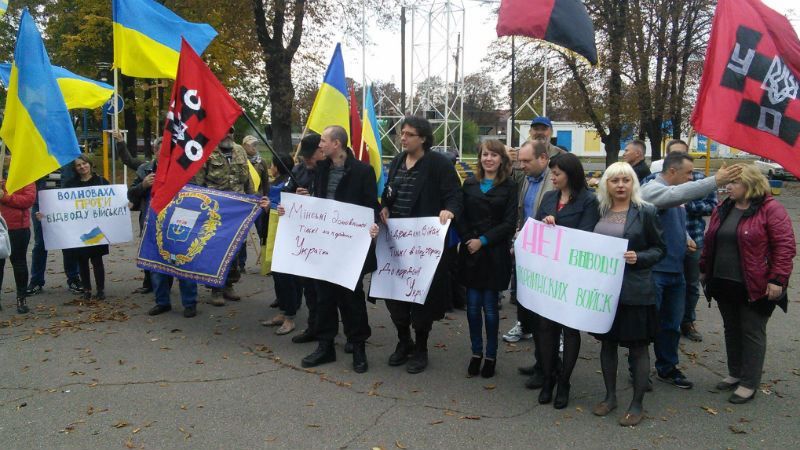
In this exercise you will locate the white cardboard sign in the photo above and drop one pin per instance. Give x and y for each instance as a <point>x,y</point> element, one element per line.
<point>570,276</point>
<point>408,252</point>
<point>322,239</point>
<point>81,217</point>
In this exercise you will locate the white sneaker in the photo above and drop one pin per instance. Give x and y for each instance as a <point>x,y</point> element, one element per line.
<point>515,334</point>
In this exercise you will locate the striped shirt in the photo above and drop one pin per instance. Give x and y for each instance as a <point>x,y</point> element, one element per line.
<point>404,182</point>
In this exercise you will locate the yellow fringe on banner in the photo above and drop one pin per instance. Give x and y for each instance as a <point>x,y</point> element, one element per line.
<point>269,247</point>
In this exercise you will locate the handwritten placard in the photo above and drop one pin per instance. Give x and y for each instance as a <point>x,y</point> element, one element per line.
<point>81,217</point>
<point>322,239</point>
<point>408,252</point>
<point>570,276</point>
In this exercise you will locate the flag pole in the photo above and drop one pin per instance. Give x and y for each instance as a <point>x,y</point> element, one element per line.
<point>511,132</point>
<point>275,158</point>
<point>2,160</point>
<point>302,135</point>
<point>114,127</point>
<point>363,61</point>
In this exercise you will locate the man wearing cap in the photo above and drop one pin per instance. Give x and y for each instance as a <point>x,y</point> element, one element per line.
<point>226,170</point>
<point>541,131</point>
<point>262,169</point>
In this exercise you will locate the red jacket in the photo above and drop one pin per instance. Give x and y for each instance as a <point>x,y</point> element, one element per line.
<point>766,244</point>
<point>16,208</point>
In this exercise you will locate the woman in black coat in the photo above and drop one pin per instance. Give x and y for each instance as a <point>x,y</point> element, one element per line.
<point>486,228</point>
<point>570,205</point>
<point>626,216</point>
<point>86,177</point>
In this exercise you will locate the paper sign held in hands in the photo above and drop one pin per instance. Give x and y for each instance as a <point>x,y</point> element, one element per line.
<point>408,252</point>
<point>322,239</point>
<point>570,276</point>
<point>80,217</point>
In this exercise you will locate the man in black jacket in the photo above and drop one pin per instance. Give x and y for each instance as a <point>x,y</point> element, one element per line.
<point>421,183</point>
<point>343,178</point>
<point>302,182</point>
<point>139,196</point>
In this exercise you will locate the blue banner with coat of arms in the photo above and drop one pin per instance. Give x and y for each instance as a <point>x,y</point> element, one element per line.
<point>198,234</point>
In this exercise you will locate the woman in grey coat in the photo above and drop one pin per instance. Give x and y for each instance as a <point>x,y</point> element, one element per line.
<point>625,215</point>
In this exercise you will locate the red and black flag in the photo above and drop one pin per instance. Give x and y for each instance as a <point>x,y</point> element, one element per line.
<point>200,114</point>
<point>562,22</point>
<point>748,96</point>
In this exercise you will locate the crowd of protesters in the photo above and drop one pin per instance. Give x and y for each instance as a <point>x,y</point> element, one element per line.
<point>743,260</point>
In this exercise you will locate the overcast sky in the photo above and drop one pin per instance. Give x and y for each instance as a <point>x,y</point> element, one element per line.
<point>383,58</point>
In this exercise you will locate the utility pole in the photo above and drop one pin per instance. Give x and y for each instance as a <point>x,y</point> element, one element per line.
<point>403,60</point>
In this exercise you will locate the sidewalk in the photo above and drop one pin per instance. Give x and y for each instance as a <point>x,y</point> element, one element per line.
<point>107,375</point>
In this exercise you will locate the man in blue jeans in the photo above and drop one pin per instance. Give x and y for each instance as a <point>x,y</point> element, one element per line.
<point>668,192</point>
<point>39,253</point>
<point>162,284</point>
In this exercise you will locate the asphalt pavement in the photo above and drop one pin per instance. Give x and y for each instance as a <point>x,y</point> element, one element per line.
<point>107,375</point>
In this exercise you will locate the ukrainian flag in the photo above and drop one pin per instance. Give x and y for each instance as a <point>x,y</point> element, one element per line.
<point>78,91</point>
<point>3,6</point>
<point>372,139</point>
<point>37,126</point>
<point>93,237</point>
<point>330,105</point>
<point>147,38</point>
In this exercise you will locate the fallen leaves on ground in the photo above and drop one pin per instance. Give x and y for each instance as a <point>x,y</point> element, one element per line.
<point>121,424</point>
<point>470,417</point>
<point>736,429</point>
<point>186,434</point>
<point>399,444</point>
<point>710,410</point>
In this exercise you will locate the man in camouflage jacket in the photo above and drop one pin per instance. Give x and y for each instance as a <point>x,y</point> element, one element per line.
<point>226,170</point>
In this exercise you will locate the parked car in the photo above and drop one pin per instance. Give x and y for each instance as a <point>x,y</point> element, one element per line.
<point>698,155</point>
<point>770,169</point>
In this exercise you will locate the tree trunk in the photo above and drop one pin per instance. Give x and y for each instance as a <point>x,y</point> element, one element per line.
<point>618,17</point>
<point>282,101</point>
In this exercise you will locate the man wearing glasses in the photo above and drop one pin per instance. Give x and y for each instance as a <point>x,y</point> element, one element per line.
<point>421,183</point>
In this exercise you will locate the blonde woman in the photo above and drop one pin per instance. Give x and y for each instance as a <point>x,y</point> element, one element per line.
<point>625,215</point>
<point>745,264</point>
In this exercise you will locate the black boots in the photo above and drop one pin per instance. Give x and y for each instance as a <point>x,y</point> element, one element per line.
<point>474,367</point>
<point>488,368</point>
<point>546,394</point>
<point>159,309</point>
<point>401,352</point>
<point>22,306</point>
<point>306,336</point>
<point>562,395</point>
<point>359,358</point>
<point>418,361</point>
<point>324,353</point>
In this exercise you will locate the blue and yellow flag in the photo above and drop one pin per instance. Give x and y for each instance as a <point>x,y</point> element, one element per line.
<point>94,237</point>
<point>372,139</point>
<point>3,6</point>
<point>37,126</point>
<point>197,235</point>
<point>78,91</point>
<point>147,38</point>
<point>330,105</point>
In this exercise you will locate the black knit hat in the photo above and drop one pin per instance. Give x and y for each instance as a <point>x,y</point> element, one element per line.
<point>309,145</point>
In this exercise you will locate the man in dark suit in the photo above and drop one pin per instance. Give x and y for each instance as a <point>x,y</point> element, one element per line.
<point>341,177</point>
<point>421,183</point>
